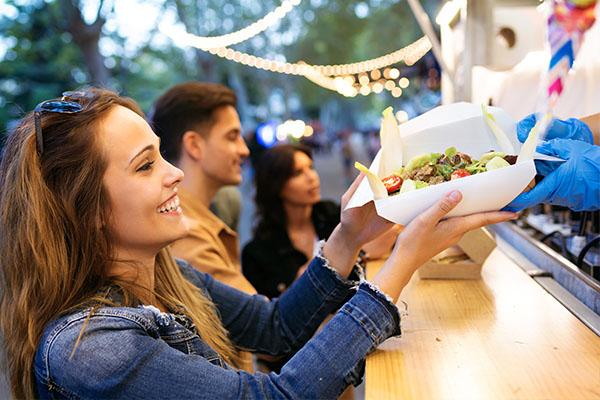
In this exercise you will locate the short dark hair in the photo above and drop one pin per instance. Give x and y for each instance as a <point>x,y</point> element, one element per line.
<point>187,106</point>
<point>273,169</point>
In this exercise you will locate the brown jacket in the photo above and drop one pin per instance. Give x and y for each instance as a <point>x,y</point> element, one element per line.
<point>211,247</point>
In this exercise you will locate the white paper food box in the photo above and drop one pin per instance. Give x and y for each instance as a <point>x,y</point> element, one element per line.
<point>459,125</point>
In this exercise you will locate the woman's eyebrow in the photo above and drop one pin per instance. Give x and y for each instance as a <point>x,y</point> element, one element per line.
<point>147,148</point>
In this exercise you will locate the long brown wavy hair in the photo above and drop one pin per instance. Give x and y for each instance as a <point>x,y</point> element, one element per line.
<point>274,168</point>
<point>53,249</point>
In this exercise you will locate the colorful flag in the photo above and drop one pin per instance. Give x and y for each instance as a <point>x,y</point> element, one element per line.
<point>567,24</point>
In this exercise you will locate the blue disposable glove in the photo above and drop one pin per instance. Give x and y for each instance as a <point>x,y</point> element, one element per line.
<point>558,129</point>
<point>575,183</point>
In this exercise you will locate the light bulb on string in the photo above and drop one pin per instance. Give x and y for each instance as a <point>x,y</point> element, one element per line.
<point>365,90</point>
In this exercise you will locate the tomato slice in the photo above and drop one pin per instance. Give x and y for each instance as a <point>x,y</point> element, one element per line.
<point>392,183</point>
<point>459,173</point>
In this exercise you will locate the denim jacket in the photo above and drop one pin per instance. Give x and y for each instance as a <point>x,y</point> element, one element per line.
<point>142,353</point>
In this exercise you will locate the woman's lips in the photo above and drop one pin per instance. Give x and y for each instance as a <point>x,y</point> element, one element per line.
<point>169,206</point>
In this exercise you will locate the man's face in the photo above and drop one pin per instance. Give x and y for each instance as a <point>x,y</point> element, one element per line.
<point>224,148</point>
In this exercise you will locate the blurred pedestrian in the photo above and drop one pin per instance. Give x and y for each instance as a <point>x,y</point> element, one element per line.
<point>373,143</point>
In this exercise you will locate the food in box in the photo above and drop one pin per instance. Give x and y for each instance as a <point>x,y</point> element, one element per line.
<point>469,129</point>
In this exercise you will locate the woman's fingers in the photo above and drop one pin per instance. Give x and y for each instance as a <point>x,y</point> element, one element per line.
<point>474,221</point>
<point>442,207</point>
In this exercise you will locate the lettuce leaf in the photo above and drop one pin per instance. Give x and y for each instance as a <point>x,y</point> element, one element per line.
<point>391,144</point>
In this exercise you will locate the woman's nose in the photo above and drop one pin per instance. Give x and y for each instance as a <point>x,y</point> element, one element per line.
<point>174,175</point>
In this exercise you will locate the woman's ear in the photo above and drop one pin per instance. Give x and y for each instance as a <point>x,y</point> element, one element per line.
<point>192,145</point>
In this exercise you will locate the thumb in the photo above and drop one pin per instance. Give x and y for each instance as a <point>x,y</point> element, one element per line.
<point>557,147</point>
<point>544,167</point>
<point>442,207</point>
<point>350,191</point>
<point>524,127</point>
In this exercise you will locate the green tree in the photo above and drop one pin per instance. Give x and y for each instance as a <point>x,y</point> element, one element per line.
<point>51,48</point>
<point>40,62</point>
<point>52,45</point>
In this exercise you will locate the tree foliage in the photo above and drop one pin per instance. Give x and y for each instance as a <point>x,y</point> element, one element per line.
<point>51,46</point>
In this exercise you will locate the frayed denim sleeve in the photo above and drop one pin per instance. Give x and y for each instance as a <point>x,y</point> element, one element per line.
<point>352,282</point>
<point>283,325</point>
<point>375,314</point>
<point>359,326</point>
<point>382,319</point>
<point>356,276</point>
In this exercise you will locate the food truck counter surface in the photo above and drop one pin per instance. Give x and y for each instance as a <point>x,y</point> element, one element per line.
<point>503,336</point>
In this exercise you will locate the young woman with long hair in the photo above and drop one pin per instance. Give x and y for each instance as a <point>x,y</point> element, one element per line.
<point>291,218</point>
<point>94,306</point>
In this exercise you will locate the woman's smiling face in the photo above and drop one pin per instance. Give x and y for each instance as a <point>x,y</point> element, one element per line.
<point>142,187</point>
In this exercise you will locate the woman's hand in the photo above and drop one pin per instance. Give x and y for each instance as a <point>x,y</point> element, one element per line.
<point>381,246</point>
<point>357,226</point>
<point>425,237</point>
<point>361,224</point>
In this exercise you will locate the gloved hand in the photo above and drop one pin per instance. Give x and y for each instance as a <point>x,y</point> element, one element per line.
<point>575,183</point>
<point>558,129</point>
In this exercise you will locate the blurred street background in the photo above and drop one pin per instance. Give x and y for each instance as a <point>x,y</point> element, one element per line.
<point>312,71</point>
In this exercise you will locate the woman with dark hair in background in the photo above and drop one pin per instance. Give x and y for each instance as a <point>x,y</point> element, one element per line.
<point>291,219</point>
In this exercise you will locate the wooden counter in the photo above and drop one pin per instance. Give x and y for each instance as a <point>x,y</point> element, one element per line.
<point>499,337</point>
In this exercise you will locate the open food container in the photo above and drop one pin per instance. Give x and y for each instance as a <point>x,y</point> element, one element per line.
<point>465,127</point>
<point>473,130</point>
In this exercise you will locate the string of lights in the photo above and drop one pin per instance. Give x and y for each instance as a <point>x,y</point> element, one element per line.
<point>347,86</point>
<point>327,76</point>
<point>213,42</point>
<point>409,54</point>
<point>339,78</point>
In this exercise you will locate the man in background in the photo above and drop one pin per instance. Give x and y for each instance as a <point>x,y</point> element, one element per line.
<point>200,133</point>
